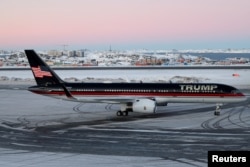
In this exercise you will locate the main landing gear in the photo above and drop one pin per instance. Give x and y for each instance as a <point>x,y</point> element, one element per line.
<point>122,113</point>
<point>217,109</point>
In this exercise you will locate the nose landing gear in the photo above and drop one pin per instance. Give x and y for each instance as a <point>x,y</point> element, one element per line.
<point>217,109</point>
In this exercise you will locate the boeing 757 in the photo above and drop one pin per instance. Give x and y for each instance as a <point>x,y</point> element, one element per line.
<point>132,97</point>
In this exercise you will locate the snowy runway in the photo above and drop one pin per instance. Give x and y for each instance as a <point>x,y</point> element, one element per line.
<point>40,131</point>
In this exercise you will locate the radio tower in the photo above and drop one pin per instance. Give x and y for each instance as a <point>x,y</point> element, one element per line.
<point>64,47</point>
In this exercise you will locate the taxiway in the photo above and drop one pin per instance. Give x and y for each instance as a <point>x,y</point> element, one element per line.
<point>40,131</point>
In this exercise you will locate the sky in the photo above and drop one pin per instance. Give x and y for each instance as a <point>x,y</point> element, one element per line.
<point>124,24</point>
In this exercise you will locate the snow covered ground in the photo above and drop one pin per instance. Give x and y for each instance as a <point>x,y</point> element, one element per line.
<point>19,113</point>
<point>22,158</point>
<point>25,115</point>
<point>185,131</point>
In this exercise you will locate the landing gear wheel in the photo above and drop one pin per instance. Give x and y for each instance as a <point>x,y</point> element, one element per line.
<point>119,113</point>
<point>122,113</point>
<point>125,113</point>
<point>216,113</point>
<point>217,110</point>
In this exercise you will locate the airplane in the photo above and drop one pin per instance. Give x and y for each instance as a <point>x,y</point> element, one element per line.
<point>132,97</point>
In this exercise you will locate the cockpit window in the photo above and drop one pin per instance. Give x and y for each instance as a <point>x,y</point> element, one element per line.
<point>235,91</point>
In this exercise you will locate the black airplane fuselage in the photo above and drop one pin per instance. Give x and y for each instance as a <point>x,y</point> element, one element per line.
<point>132,97</point>
<point>161,92</point>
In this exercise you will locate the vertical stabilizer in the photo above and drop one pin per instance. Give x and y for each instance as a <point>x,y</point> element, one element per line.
<point>43,74</point>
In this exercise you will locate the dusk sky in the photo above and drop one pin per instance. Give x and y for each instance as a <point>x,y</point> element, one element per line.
<point>125,24</point>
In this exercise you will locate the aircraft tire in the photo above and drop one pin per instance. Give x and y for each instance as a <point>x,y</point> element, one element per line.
<point>125,113</point>
<point>119,113</point>
<point>216,113</point>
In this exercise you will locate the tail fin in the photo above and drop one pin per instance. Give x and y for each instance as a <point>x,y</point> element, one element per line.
<point>43,74</point>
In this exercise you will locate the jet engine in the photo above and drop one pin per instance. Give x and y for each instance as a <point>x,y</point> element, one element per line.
<point>144,106</point>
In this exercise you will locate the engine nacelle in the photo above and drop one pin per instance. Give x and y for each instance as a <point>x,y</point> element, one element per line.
<point>144,106</point>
